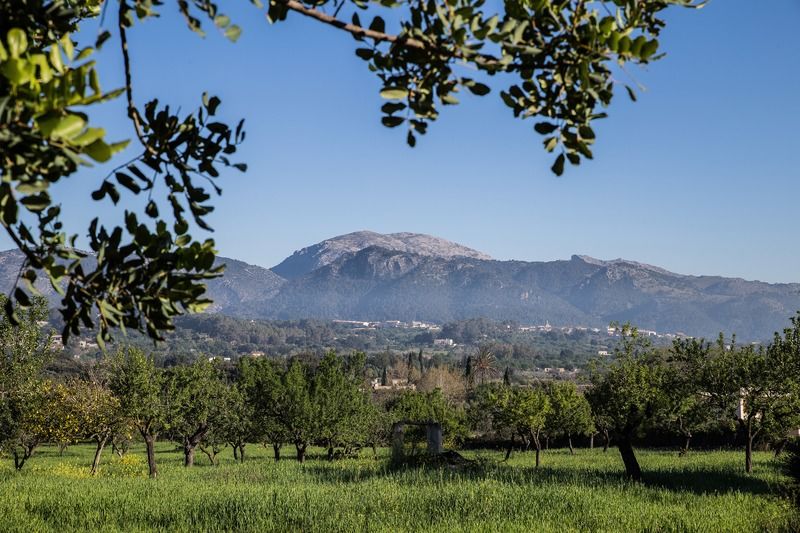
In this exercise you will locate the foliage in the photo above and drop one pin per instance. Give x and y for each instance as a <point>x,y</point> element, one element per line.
<point>142,274</point>
<point>197,399</point>
<point>558,57</point>
<point>627,391</point>
<point>144,397</point>
<point>570,414</point>
<point>754,387</point>
<point>24,351</point>
<point>430,407</point>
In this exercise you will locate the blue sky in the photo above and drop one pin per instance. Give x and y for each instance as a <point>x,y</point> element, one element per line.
<point>700,176</point>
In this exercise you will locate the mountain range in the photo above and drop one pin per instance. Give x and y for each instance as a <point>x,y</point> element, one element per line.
<point>408,276</point>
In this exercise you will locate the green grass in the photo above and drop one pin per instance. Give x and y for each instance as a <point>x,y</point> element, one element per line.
<point>705,491</point>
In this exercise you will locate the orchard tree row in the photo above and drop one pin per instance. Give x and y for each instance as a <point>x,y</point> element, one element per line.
<point>695,387</point>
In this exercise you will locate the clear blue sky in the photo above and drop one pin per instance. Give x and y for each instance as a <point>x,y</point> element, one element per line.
<point>700,176</point>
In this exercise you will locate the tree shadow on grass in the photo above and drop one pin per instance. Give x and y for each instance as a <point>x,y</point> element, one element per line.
<point>694,479</point>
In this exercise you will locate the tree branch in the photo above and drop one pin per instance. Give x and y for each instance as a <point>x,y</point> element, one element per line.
<point>133,113</point>
<point>484,60</point>
<point>357,31</point>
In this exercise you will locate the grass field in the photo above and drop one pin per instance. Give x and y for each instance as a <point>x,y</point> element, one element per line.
<point>704,491</point>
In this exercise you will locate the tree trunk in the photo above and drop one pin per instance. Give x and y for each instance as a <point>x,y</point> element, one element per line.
<point>687,440</point>
<point>591,441</point>
<point>547,443</point>
<point>301,452</point>
<point>21,459</point>
<point>780,447</point>
<point>632,469</point>
<point>606,440</point>
<point>191,442</point>
<point>510,448</point>
<point>276,450</point>
<point>748,454</point>
<point>101,443</point>
<point>538,443</point>
<point>150,445</point>
<point>210,453</point>
<point>569,442</point>
<point>330,453</point>
<point>61,449</point>
<point>188,455</point>
<point>241,451</point>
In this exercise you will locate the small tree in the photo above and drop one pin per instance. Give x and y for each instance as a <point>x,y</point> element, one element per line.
<point>37,420</point>
<point>525,411</point>
<point>296,408</point>
<point>24,351</point>
<point>144,398</point>
<point>196,399</point>
<point>570,413</point>
<point>98,413</point>
<point>627,393</point>
<point>260,384</point>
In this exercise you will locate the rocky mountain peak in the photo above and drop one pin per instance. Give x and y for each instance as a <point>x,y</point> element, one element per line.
<point>328,251</point>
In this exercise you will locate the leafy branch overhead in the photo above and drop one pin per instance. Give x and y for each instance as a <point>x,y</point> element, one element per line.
<point>555,58</point>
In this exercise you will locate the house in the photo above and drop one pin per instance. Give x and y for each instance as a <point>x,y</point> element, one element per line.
<point>443,342</point>
<point>393,384</point>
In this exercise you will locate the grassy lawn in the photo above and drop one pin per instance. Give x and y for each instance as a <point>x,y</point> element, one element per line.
<point>705,491</point>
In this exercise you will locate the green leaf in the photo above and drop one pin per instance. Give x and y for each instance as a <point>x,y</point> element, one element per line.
<point>558,166</point>
<point>128,182</point>
<point>479,89</point>
<point>392,107</point>
<point>545,128</point>
<point>364,53</point>
<point>392,122</point>
<point>17,42</point>
<point>36,202</point>
<point>378,25</point>
<point>631,93</point>
<point>233,32</point>
<point>17,71</point>
<point>394,93</point>
<point>22,298</point>
<point>89,136</point>
<point>62,127</point>
<point>69,48</point>
<point>99,151</point>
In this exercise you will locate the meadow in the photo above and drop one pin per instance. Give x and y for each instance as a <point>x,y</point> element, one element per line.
<point>704,491</point>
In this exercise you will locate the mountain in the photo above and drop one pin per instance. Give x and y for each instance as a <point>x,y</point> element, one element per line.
<point>408,276</point>
<point>378,284</point>
<point>326,252</point>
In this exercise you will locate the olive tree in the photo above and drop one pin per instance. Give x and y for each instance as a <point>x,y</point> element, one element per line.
<point>24,352</point>
<point>196,399</point>
<point>142,391</point>
<point>627,392</point>
<point>570,413</point>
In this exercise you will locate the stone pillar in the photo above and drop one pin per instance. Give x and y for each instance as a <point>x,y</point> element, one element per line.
<point>398,453</point>
<point>434,433</point>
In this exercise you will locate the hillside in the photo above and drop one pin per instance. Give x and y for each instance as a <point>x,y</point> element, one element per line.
<point>418,277</point>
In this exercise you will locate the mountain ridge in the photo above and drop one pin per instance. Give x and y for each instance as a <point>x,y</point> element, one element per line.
<point>433,280</point>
